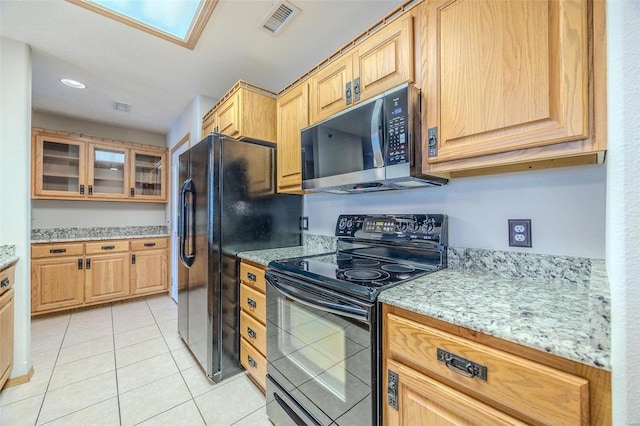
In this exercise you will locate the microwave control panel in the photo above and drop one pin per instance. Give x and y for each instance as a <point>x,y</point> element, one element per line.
<point>396,108</point>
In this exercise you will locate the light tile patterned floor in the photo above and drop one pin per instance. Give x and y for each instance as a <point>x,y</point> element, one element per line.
<point>124,364</point>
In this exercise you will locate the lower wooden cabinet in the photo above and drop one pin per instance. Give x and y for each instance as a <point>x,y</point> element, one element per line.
<point>71,275</point>
<point>6,323</point>
<point>438,374</point>
<point>253,329</point>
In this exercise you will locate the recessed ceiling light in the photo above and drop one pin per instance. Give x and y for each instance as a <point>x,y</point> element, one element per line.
<point>72,83</point>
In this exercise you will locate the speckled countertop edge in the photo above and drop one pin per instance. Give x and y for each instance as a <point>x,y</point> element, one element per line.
<point>59,235</point>
<point>7,256</point>
<point>312,244</point>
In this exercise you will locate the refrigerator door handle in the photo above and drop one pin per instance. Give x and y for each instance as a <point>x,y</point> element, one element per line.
<point>187,259</point>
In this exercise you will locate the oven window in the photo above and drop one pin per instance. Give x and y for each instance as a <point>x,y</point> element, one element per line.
<point>321,359</point>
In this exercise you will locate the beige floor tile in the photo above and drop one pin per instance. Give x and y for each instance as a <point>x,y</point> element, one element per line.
<point>85,334</point>
<point>49,326</point>
<point>77,396</point>
<point>141,373</point>
<point>45,359</point>
<point>124,324</point>
<point>160,301</point>
<point>230,403</point>
<point>85,349</point>
<point>174,341</point>
<point>169,326</point>
<point>81,326</point>
<point>24,412</point>
<point>96,312</point>
<point>130,307</point>
<point>186,414</point>
<point>36,386</point>
<point>167,314</point>
<point>82,369</point>
<point>184,358</point>
<point>104,413</point>
<point>150,400</point>
<point>257,418</point>
<point>44,344</point>
<point>140,351</point>
<point>138,335</point>
<point>198,382</point>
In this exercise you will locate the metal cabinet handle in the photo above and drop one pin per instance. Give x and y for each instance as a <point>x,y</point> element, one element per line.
<point>149,244</point>
<point>90,189</point>
<point>252,303</point>
<point>81,189</point>
<point>108,247</point>
<point>5,283</point>
<point>347,93</point>
<point>251,277</point>
<point>132,192</point>
<point>356,89</point>
<point>79,264</point>
<point>251,362</point>
<point>88,264</point>
<point>57,251</point>
<point>133,259</point>
<point>251,333</point>
<point>462,366</point>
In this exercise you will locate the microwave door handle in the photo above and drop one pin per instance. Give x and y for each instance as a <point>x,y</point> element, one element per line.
<point>376,134</point>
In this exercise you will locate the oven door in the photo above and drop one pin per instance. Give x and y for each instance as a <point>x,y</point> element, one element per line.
<point>320,355</point>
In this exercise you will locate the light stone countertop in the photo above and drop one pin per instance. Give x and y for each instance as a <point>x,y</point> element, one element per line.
<point>60,235</point>
<point>311,244</point>
<point>7,256</point>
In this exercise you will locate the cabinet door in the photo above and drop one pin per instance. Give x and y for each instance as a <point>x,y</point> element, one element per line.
<point>384,60</point>
<point>6,335</point>
<point>328,90</point>
<point>107,277</point>
<point>148,175</point>
<point>58,168</point>
<point>56,283</point>
<point>425,401</point>
<point>505,75</point>
<point>148,271</point>
<point>293,116</point>
<point>108,172</point>
<point>209,125</point>
<point>229,117</point>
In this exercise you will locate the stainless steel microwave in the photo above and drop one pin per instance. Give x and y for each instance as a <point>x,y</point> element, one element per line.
<point>372,146</point>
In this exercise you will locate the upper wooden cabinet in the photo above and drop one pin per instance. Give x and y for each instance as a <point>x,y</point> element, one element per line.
<point>78,168</point>
<point>508,82</point>
<point>293,116</point>
<point>246,111</point>
<point>380,62</point>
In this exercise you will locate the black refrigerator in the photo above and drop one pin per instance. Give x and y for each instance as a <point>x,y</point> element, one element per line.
<point>228,204</point>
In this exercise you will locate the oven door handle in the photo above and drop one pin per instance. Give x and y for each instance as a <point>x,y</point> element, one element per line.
<point>315,301</point>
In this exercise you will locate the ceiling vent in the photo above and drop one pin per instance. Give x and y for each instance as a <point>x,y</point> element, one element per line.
<point>278,16</point>
<point>120,106</point>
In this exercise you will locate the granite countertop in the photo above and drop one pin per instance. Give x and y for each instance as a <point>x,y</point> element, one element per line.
<point>562,308</point>
<point>60,235</point>
<point>312,244</point>
<point>7,256</point>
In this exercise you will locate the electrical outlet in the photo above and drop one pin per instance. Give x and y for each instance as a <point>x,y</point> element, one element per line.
<point>520,232</point>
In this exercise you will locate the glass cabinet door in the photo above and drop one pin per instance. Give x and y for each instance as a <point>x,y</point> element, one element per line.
<point>148,175</point>
<point>58,168</point>
<point>108,173</point>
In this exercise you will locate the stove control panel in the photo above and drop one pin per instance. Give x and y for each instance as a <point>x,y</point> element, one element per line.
<point>416,227</point>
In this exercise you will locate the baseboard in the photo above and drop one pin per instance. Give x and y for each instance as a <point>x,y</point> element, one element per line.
<point>15,381</point>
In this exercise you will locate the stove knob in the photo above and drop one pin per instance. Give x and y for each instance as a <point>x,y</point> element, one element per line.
<point>402,226</point>
<point>415,226</point>
<point>342,223</point>
<point>428,227</point>
<point>349,223</point>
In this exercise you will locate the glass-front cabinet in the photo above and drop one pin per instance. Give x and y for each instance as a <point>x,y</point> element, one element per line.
<point>59,167</point>
<point>79,168</point>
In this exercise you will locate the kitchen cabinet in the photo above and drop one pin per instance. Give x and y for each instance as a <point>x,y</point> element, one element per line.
<point>441,373</point>
<point>75,167</point>
<point>253,314</point>
<point>7,302</point>
<point>246,111</point>
<point>293,116</point>
<point>507,83</point>
<point>149,266</point>
<point>72,275</point>
<point>380,62</point>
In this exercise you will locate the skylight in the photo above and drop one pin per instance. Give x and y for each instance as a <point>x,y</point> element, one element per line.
<point>179,21</point>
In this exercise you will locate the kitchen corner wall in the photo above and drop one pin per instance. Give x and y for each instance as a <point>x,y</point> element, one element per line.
<point>566,207</point>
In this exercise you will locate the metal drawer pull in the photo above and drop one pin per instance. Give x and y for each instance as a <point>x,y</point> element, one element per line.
<point>251,362</point>
<point>252,303</point>
<point>462,366</point>
<point>252,277</point>
<point>79,264</point>
<point>108,247</point>
<point>5,283</point>
<point>251,333</point>
<point>87,264</point>
<point>58,251</point>
<point>149,244</point>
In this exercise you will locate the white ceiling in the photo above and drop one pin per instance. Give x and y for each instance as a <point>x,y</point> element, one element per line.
<point>158,78</point>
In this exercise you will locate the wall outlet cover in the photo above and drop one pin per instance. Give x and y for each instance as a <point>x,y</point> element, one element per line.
<point>520,232</point>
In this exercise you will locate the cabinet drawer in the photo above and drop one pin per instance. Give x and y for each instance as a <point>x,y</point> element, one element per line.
<point>253,302</point>
<point>254,332</point>
<point>148,243</point>
<point>538,392</point>
<point>101,247</point>
<point>254,362</point>
<point>7,278</point>
<point>252,276</point>
<point>56,250</point>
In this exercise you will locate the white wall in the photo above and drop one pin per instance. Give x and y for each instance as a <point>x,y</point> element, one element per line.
<point>64,214</point>
<point>566,207</point>
<point>15,160</point>
<point>623,205</point>
<point>190,121</point>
